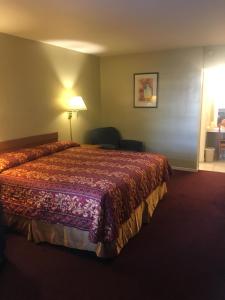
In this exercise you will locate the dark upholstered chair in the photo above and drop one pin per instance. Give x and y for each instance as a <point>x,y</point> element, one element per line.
<point>110,138</point>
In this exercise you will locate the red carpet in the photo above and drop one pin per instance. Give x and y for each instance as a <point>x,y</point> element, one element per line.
<point>180,255</point>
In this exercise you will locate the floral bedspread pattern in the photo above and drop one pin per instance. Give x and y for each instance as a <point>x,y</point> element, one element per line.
<point>90,189</point>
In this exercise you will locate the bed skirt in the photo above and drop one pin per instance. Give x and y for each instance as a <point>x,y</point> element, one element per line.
<point>39,231</point>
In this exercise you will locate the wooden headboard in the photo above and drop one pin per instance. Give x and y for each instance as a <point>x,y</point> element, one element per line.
<point>29,141</point>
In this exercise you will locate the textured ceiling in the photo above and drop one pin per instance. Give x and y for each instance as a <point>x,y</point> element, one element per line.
<point>107,27</point>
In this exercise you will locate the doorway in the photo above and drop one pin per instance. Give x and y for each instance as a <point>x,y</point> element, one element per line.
<point>211,158</point>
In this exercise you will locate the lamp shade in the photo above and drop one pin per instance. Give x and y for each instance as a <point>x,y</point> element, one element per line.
<point>77,103</point>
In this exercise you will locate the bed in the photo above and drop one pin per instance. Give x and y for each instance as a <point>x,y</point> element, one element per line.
<point>83,198</point>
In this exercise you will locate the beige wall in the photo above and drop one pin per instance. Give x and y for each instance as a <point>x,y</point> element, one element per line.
<point>172,128</point>
<point>32,80</point>
<point>33,77</point>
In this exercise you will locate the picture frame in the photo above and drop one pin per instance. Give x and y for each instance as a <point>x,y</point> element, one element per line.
<point>146,90</point>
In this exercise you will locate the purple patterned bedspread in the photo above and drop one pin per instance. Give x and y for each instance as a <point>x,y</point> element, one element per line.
<point>89,189</point>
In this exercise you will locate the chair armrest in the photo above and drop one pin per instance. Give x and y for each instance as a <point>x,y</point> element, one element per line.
<point>131,145</point>
<point>108,146</point>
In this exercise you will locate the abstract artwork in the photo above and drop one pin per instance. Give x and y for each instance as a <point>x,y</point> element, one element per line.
<point>146,89</point>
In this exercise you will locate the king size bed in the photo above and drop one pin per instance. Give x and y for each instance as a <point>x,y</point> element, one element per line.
<point>83,198</point>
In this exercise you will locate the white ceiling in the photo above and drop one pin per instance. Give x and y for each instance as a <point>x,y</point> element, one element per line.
<point>107,27</point>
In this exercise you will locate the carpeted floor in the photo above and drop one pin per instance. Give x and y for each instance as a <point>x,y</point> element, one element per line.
<point>180,255</point>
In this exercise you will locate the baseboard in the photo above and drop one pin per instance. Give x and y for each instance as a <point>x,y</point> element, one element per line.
<point>184,169</point>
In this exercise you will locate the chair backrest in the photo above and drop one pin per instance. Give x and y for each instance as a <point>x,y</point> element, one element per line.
<point>104,135</point>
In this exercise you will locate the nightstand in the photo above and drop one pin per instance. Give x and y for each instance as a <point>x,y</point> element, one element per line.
<point>90,146</point>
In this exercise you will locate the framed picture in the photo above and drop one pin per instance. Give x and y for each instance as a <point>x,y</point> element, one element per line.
<point>146,89</point>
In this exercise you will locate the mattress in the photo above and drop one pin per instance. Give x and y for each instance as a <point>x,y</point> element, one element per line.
<point>92,193</point>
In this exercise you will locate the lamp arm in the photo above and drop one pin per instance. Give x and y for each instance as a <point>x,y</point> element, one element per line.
<point>71,134</point>
<point>70,115</point>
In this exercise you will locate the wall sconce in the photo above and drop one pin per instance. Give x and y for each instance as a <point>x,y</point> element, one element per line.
<point>76,104</point>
